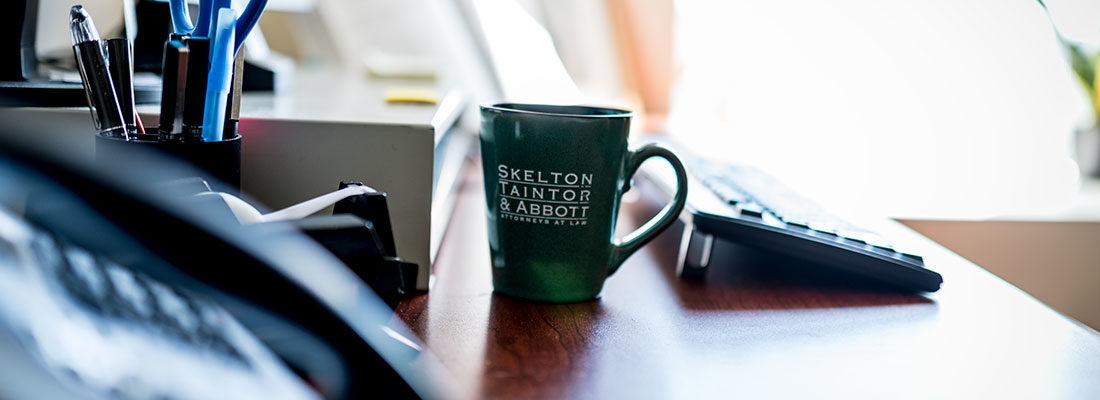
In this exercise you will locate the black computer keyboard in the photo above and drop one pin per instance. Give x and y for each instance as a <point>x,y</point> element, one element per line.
<point>743,205</point>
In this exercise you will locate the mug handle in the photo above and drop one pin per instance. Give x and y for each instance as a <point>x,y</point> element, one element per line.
<point>628,244</point>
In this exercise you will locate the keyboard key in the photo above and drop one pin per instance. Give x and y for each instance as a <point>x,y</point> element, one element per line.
<point>133,292</point>
<point>858,235</point>
<point>84,266</point>
<point>884,250</point>
<point>736,196</point>
<point>752,210</point>
<point>175,309</point>
<point>81,279</point>
<point>857,241</point>
<point>797,224</point>
<point>878,241</point>
<point>912,257</point>
<point>823,227</point>
<point>883,245</point>
<point>47,251</point>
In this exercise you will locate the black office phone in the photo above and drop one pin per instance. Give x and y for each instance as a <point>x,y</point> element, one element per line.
<point>114,288</point>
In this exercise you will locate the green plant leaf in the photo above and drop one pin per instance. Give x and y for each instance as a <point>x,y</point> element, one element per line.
<point>1082,65</point>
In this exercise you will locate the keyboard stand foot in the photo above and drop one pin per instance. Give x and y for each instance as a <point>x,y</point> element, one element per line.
<point>695,251</point>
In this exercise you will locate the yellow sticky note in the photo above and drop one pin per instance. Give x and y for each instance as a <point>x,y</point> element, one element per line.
<point>412,95</point>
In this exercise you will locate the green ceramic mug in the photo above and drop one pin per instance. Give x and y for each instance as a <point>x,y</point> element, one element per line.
<point>554,176</point>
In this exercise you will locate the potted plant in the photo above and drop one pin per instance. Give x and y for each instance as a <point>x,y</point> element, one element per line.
<point>1084,64</point>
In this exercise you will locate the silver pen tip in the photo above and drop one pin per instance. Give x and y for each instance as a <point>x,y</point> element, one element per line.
<point>81,25</point>
<point>78,14</point>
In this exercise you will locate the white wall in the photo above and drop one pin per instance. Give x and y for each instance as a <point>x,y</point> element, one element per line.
<point>53,23</point>
<point>936,108</point>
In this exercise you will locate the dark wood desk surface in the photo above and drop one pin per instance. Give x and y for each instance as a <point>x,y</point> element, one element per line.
<point>743,333</point>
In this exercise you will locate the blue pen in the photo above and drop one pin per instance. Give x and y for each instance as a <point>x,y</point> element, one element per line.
<point>181,18</point>
<point>202,26</point>
<point>216,5</point>
<point>221,72</point>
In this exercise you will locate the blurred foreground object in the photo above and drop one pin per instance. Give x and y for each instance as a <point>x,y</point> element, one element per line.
<point>144,292</point>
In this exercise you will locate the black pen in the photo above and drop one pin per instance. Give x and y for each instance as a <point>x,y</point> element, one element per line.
<point>174,89</point>
<point>92,64</point>
<point>194,102</point>
<point>121,64</point>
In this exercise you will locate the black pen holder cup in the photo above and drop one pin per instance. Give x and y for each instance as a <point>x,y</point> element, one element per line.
<point>217,162</point>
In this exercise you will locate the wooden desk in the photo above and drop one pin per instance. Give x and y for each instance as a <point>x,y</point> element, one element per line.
<point>744,333</point>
